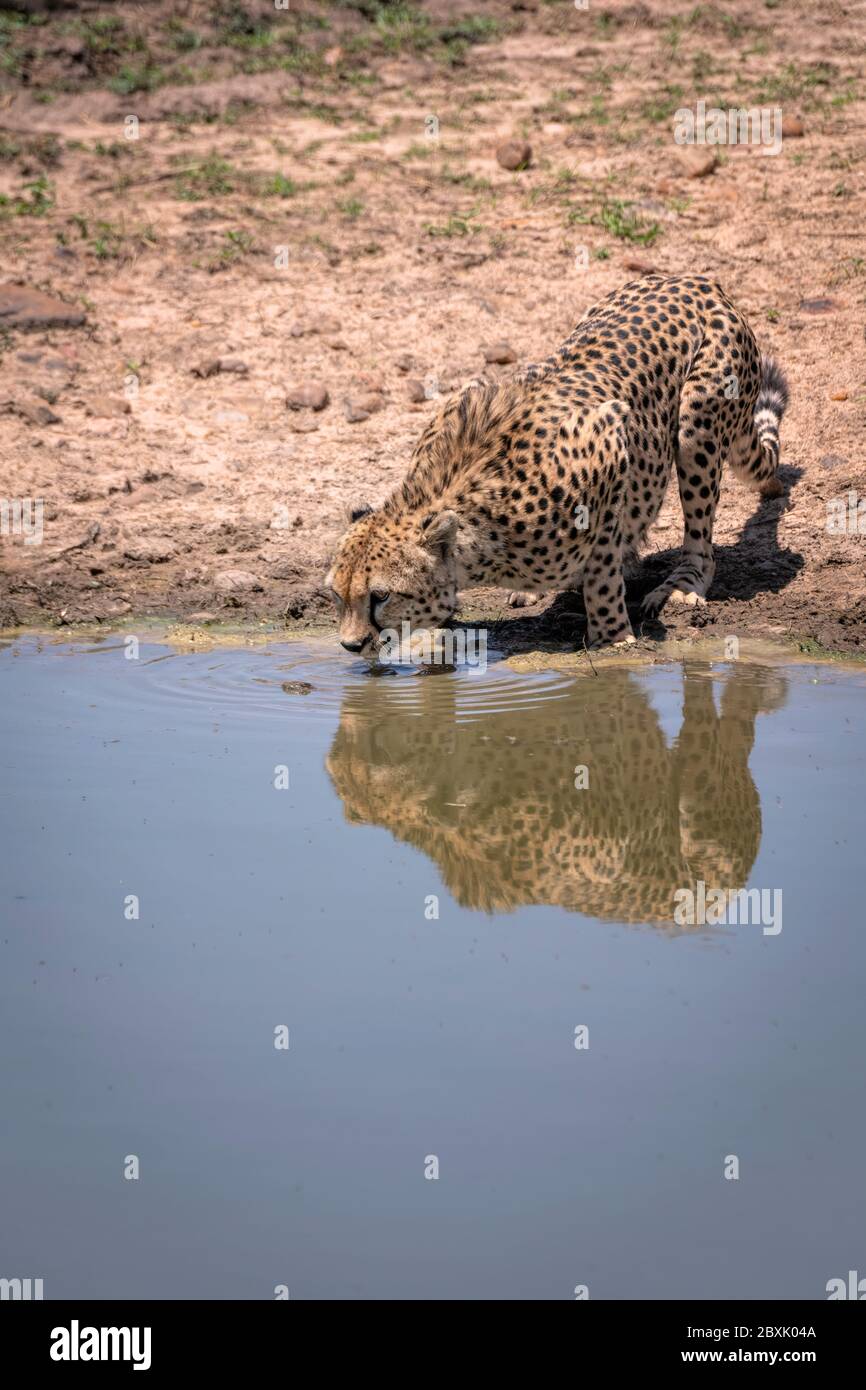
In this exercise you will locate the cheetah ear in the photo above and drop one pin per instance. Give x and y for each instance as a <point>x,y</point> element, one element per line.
<point>355,513</point>
<point>439,530</point>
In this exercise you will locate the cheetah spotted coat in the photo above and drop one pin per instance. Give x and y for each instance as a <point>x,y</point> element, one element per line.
<point>549,480</point>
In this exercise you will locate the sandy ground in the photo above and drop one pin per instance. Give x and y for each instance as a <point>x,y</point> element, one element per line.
<point>313,210</point>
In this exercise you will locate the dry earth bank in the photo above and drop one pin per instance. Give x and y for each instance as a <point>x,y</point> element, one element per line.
<point>218,334</point>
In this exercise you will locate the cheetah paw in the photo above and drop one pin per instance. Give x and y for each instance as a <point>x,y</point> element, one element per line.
<point>655,601</point>
<point>601,642</point>
<point>517,598</point>
<point>689,600</point>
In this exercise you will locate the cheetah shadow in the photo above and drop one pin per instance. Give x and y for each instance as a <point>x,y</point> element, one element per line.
<point>755,564</point>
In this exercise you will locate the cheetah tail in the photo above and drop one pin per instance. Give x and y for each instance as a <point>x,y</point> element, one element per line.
<point>769,409</point>
<point>755,457</point>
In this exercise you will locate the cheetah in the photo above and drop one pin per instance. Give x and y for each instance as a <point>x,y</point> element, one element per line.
<point>552,479</point>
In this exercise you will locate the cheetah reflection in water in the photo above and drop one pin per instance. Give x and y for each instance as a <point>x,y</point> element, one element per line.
<point>491,797</point>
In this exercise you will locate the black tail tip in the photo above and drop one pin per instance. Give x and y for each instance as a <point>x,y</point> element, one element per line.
<point>774,382</point>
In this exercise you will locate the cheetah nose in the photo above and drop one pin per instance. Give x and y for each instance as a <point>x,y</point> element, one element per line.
<point>357,646</point>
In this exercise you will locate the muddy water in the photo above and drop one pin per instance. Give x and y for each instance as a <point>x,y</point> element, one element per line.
<point>462,910</point>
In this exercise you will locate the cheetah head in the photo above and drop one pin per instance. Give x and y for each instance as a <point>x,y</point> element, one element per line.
<point>391,570</point>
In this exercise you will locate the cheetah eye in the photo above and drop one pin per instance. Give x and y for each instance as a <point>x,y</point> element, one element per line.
<point>380,595</point>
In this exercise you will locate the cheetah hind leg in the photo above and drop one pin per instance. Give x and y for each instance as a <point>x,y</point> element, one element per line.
<point>701,445</point>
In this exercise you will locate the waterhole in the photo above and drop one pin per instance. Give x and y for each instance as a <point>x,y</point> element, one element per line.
<point>481,985</point>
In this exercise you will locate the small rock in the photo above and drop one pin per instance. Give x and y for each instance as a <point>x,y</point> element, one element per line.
<point>106,429</point>
<point>284,569</point>
<point>823,305</point>
<point>211,366</point>
<point>416,392</point>
<point>368,381</point>
<point>232,582</point>
<point>792,128</point>
<point>37,413</point>
<point>307,395</point>
<point>362,406</point>
<point>107,406</point>
<point>75,613</point>
<point>151,551</point>
<point>404,363</point>
<point>306,601</point>
<point>308,327</point>
<point>499,353</point>
<point>297,687</point>
<point>514,155</point>
<point>697,160</point>
<point>467,259</point>
<point>23,307</point>
<point>208,367</point>
<point>337,345</point>
<point>302,426</point>
<point>838,395</point>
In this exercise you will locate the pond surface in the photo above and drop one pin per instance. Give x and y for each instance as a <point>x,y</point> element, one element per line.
<point>471,905</point>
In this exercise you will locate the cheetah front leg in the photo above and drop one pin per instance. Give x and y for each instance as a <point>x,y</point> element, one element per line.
<point>607,622</point>
<point>600,441</point>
